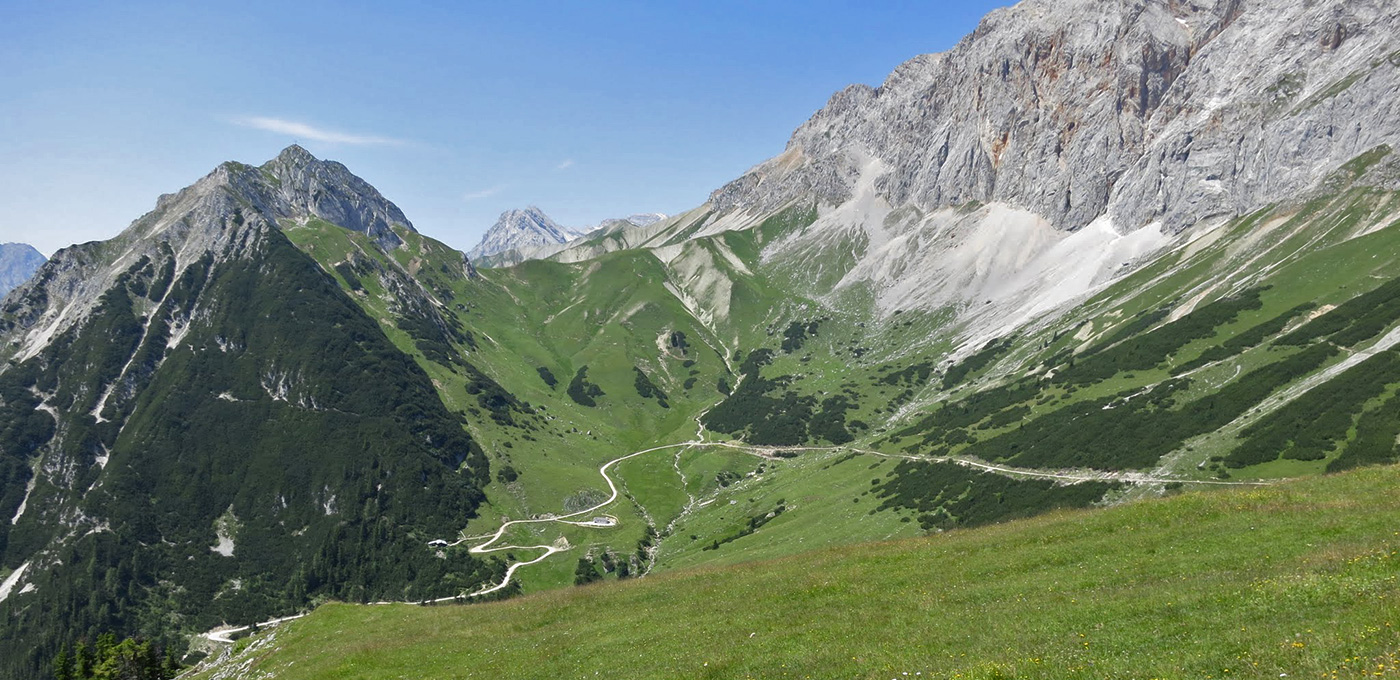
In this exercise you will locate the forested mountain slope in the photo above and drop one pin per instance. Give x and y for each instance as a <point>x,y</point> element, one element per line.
<point>199,426</point>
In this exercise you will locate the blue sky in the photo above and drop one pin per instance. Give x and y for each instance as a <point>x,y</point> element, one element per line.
<point>455,111</point>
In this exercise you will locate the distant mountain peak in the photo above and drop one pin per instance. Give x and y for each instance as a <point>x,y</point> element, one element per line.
<point>526,234</point>
<point>18,262</point>
<point>520,229</point>
<point>646,219</point>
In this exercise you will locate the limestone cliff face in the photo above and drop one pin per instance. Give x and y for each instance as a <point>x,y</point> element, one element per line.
<point>295,183</point>
<point>1167,111</point>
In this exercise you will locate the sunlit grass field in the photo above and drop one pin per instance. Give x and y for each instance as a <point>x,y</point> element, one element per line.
<point>1298,579</point>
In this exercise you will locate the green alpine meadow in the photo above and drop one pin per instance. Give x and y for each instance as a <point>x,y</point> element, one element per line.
<point>1071,351</point>
<point>1297,579</point>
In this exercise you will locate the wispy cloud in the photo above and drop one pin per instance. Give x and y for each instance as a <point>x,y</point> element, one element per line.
<point>483,193</point>
<point>304,131</point>
<point>565,164</point>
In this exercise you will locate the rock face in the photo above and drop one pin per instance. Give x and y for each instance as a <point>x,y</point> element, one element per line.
<point>1059,147</point>
<point>578,239</point>
<point>1143,110</point>
<point>520,230</point>
<point>300,184</point>
<point>18,262</point>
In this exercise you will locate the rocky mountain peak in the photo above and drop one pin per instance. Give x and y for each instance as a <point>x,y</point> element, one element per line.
<point>226,215</point>
<point>521,229</point>
<point>298,185</point>
<point>529,234</point>
<point>645,219</point>
<point>295,156</point>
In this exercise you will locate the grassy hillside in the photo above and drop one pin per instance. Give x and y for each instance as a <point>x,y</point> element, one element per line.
<point>1296,579</point>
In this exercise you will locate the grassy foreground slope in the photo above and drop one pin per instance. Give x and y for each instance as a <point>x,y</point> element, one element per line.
<point>1296,579</point>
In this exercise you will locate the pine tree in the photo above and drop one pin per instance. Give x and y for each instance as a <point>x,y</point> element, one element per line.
<point>585,573</point>
<point>108,659</point>
<point>83,661</point>
<point>170,667</point>
<point>63,665</point>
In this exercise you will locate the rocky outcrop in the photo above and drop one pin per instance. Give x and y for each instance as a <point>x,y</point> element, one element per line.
<point>1144,110</point>
<point>635,220</point>
<point>530,235</point>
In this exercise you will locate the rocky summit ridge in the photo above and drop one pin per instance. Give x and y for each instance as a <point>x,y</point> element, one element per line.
<point>225,214</point>
<point>125,358</point>
<point>296,183</point>
<point>1150,111</point>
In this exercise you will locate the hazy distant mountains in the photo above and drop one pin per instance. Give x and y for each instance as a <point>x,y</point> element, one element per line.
<point>18,262</point>
<point>522,234</point>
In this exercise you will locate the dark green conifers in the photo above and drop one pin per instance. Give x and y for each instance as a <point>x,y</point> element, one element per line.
<point>765,411</point>
<point>948,496</point>
<point>981,359</point>
<point>108,659</point>
<point>1313,425</point>
<point>753,524</point>
<point>582,391</point>
<point>647,389</point>
<point>1353,321</point>
<point>284,419</point>
<point>1126,350</point>
<point>762,409</point>
<point>547,376</point>
<point>1244,340</point>
<point>796,334</point>
<point>1136,427</point>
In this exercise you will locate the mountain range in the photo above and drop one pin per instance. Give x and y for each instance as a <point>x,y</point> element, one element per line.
<point>1092,254</point>
<point>527,234</point>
